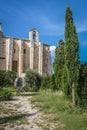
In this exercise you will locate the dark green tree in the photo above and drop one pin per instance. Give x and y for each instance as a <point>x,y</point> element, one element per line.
<point>65,80</point>
<point>72,52</point>
<point>52,82</point>
<point>59,62</point>
<point>45,84</point>
<point>82,87</point>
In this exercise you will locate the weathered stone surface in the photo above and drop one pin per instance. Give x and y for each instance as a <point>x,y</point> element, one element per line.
<point>2,56</point>
<point>21,54</point>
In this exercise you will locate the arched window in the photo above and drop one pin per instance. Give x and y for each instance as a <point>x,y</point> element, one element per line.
<point>34,36</point>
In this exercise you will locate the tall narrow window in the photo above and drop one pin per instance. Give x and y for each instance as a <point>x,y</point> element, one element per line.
<point>34,36</point>
<point>24,51</point>
<point>14,51</point>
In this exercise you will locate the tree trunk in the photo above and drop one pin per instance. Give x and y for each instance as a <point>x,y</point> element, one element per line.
<point>73,94</point>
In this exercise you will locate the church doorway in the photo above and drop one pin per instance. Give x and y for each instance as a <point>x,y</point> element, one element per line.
<point>15,66</point>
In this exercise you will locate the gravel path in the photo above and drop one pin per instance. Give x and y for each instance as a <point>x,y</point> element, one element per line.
<point>27,116</point>
<point>21,115</point>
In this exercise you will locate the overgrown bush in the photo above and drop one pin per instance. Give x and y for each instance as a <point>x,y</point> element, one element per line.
<point>82,86</point>
<point>53,83</point>
<point>10,77</point>
<point>48,82</point>
<point>2,78</point>
<point>5,94</point>
<point>82,103</point>
<point>7,78</point>
<point>65,81</point>
<point>32,80</point>
<point>45,82</point>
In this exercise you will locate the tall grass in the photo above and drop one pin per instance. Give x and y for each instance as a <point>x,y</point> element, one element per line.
<point>56,103</point>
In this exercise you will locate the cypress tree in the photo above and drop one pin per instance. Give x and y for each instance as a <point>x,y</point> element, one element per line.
<point>59,62</point>
<point>52,82</point>
<point>72,52</point>
<point>65,81</point>
<point>82,88</point>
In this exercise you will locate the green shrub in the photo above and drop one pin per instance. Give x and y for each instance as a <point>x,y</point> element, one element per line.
<point>7,78</point>
<point>2,78</point>
<point>82,103</point>
<point>26,88</point>
<point>45,82</point>
<point>82,86</point>
<point>32,80</point>
<point>65,81</point>
<point>48,82</point>
<point>5,94</point>
<point>10,77</point>
<point>53,83</point>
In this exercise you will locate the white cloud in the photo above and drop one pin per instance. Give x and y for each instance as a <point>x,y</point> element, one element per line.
<point>82,26</point>
<point>84,43</point>
<point>49,27</point>
<point>56,29</point>
<point>52,49</point>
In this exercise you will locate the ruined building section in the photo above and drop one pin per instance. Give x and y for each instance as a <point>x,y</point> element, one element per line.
<point>34,35</point>
<point>40,67</point>
<point>21,54</point>
<point>26,55</point>
<point>2,50</point>
<point>9,52</point>
<point>46,60</point>
<point>40,53</point>
<point>36,56</point>
<point>15,55</point>
<point>2,55</point>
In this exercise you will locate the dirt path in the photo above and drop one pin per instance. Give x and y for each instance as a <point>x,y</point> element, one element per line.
<point>19,114</point>
<point>24,115</point>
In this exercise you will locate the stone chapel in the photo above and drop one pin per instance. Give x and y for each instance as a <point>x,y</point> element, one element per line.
<point>21,54</point>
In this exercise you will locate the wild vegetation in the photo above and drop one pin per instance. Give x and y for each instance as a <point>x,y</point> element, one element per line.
<point>7,93</point>
<point>82,86</point>
<point>7,79</point>
<point>32,80</point>
<point>59,64</point>
<point>61,110</point>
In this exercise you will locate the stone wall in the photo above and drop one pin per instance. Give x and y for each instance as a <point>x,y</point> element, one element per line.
<point>26,56</point>
<point>46,59</point>
<point>36,56</point>
<point>15,51</point>
<point>40,67</point>
<point>2,56</point>
<point>15,57</point>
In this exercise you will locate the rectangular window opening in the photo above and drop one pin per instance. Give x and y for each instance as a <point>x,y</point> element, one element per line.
<point>2,57</point>
<point>24,51</point>
<point>14,50</point>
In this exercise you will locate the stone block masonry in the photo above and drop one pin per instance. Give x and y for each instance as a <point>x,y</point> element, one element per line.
<point>21,54</point>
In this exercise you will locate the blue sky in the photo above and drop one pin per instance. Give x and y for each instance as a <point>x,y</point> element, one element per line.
<point>48,16</point>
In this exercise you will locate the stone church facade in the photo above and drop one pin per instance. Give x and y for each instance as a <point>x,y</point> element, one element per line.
<point>21,54</point>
